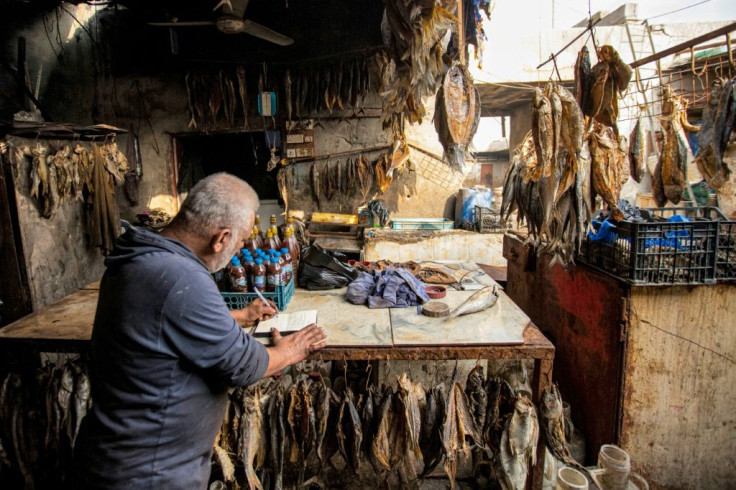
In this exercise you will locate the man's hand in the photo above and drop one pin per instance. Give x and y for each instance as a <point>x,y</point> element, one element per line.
<point>257,310</point>
<point>293,348</point>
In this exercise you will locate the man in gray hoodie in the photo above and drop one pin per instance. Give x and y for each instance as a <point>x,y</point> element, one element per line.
<point>165,348</point>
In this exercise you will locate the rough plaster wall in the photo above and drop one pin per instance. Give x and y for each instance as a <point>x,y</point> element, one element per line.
<point>426,191</point>
<point>55,250</point>
<point>521,123</point>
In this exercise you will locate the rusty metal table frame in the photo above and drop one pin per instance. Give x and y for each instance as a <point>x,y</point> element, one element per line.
<point>44,331</point>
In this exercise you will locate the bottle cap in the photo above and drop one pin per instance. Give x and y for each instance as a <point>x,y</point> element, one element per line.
<point>284,250</point>
<point>259,261</point>
<point>235,260</point>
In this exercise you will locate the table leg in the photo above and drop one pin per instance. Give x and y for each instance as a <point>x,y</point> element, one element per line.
<point>542,381</point>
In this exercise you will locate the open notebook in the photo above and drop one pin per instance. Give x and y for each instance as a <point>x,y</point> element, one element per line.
<point>286,323</point>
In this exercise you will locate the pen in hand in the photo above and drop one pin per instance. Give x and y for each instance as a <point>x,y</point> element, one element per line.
<point>264,300</point>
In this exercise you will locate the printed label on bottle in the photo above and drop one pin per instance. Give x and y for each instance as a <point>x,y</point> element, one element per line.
<point>239,281</point>
<point>259,281</point>
<point>274,279</point>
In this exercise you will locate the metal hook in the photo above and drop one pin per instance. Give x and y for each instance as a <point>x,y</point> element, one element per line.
<point>368,370</point>
<point>692,63</point>
<point>728,48</point>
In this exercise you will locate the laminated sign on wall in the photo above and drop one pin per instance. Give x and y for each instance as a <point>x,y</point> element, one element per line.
<point>299,139</point>
<point>267,103</point>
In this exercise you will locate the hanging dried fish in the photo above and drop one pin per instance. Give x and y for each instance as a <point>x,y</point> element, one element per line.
<point>457,425</point>
<point>518,445</point>
<point>457,114</point>
<point>715,132</point>
<point>582,78</point>
<point>604,163</point>
<point>287,94</point>
<point>381,172</point>
<point>282,178</point>
<point>365,177</point>
<point>553,426</point>
<point>637,151</point>
<point>251,435</point>
<point>243,93</point>
<point>276,413</point>
<point>349,431</point>
<point>314,174</point>
<point>399,157</point>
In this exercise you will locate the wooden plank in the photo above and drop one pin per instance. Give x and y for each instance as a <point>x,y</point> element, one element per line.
<point>502,324</point>
<point>679,386</point>
<point>335,218</point>
<point>15,290</point>
<point>69,319</point>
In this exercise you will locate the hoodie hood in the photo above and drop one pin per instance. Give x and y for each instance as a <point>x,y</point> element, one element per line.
<point>136,241</point>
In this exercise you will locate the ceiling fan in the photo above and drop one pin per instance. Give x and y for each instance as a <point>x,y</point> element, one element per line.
<point>232,21</point>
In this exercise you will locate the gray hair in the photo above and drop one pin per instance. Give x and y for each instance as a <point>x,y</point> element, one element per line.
<point>218,201</point>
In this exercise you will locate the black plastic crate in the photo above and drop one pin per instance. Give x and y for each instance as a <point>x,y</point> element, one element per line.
<point>488,221</point>
<point>726,250</point>
<point>658,252</point>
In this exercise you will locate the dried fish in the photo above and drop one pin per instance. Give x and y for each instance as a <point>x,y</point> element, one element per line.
<point>282,178</point>
<point>673,177</point>
<point>604,163</point>
<point>457,426</point>
<point>518,445</point>
<point>553,426</point>
<point>349,431</point>
<point>287,94</point>
<point>381,172</point>
<point>278,436</point>
<point>251,435</point>
<point>457,114</point>
<point>243,93</point>
<point>582,78</point>
<point>479,301</point>
<point>365,177</point>
<point>226,464</point>
<point>302,423</point>
<point>81,399</point>
<point>712,135</point>
<point>399,157</point>
<point>637,151</point>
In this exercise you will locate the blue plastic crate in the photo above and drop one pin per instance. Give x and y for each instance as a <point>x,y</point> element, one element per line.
<point>282,296</point>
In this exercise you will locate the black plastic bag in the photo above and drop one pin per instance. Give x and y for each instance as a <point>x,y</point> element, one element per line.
<point>323,269</point>
<point>318,278</point>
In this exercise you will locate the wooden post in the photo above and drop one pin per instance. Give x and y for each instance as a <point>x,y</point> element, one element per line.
<point>461,31</point>
<point>21,72</point>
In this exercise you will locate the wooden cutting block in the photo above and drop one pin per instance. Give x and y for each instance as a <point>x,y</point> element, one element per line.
<point>435,309</point>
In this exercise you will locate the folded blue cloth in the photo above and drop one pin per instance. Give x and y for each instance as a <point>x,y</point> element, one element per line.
<point>389,288</point>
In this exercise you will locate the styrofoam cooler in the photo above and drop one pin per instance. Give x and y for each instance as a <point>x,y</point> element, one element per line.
<point>467,199</point>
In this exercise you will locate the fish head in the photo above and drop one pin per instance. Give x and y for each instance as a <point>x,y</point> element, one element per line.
<point>606,53</point>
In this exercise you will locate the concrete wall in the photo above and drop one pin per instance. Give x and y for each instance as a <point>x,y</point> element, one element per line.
<point>436,245</point>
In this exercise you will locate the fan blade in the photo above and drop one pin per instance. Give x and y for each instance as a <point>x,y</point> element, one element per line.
<point>235,8</point>
<point>182,24</point>
<point>263,32</point>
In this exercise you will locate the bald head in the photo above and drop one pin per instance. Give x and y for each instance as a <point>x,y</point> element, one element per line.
<point>218,201</point>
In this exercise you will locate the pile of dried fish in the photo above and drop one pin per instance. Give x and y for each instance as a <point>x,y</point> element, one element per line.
<point>336,181</point>
<point>86,174</point>
<point>549,179</point>
<point>40,415</point>
<point>457,114</point>
<point>719,121</point>
<point>598,87</point>
<point>329,87</point>
<point>216,97</point>
<point>283,433</point>
<point>416,34</point>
